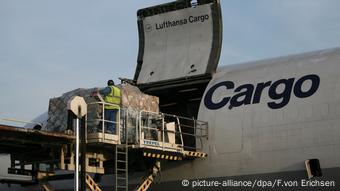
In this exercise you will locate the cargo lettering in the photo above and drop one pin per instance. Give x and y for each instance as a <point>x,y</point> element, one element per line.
<point>174,23</point>
<point>279,91</point>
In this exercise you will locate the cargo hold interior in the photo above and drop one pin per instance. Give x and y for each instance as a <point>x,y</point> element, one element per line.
<point>180,97</point>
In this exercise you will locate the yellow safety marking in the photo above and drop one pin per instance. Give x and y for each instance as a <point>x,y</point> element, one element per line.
<point>91,184</point>
<point>146,184</point>
<point>195,154</point>
<point>161,156</point>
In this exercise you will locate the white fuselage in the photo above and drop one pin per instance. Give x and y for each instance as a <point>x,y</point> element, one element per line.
<point>270,116</point>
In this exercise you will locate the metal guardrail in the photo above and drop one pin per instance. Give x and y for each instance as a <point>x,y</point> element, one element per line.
<point>103,122</point>
<point>161,133</point>
<point>152,129</point>
<point>159,130</point>
<point>198,128</point>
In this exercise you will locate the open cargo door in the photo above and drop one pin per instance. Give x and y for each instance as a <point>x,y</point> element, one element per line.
<point>179,49</point>
<point>178,41</point>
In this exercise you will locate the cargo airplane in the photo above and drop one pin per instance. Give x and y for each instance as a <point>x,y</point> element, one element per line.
<point>272,124</point>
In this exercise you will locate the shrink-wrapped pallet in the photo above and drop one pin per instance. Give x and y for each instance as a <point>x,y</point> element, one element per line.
<point>133,101</point>
<point>132,97</point>
<point>58,113</point>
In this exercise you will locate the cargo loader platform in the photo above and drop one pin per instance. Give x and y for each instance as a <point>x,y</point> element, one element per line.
<point>156,136</point>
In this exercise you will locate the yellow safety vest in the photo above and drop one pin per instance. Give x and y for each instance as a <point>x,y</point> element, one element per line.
<point>113,97</point>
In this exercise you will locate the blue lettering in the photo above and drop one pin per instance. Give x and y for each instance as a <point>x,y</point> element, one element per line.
<point>315,85</point>
<point>284,95</point>
<point>209,96</point>
<point>280,91</point>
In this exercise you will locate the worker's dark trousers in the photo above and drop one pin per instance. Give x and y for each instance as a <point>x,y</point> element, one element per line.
<point>110,123</point>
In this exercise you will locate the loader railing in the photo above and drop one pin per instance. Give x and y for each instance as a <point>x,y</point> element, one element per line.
<point>98,124</point>
<point>193,128</point>
<point>165,131</point>
<point>146,129</point>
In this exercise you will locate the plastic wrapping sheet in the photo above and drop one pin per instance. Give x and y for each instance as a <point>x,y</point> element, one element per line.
<point>132,97</point>
<point>133,101</point>
<point>58,113</point>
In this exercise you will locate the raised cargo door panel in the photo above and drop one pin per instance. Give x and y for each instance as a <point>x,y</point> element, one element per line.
<point>178,41</point>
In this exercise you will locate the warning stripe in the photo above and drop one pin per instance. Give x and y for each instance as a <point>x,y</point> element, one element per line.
<point>91,184</point>
<point>162,156</point>
<point>195,154</point>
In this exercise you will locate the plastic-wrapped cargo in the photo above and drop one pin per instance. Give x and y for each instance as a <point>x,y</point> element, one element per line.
<point>132,97</point>
<point>133,101</point>
<point>58,113</point>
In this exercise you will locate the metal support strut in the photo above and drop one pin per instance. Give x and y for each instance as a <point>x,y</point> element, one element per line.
<point>78,106</point>
<point>91,184</point>
<point>150,179</point>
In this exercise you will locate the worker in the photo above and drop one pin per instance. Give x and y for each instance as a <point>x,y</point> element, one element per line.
<point>112,96</point>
